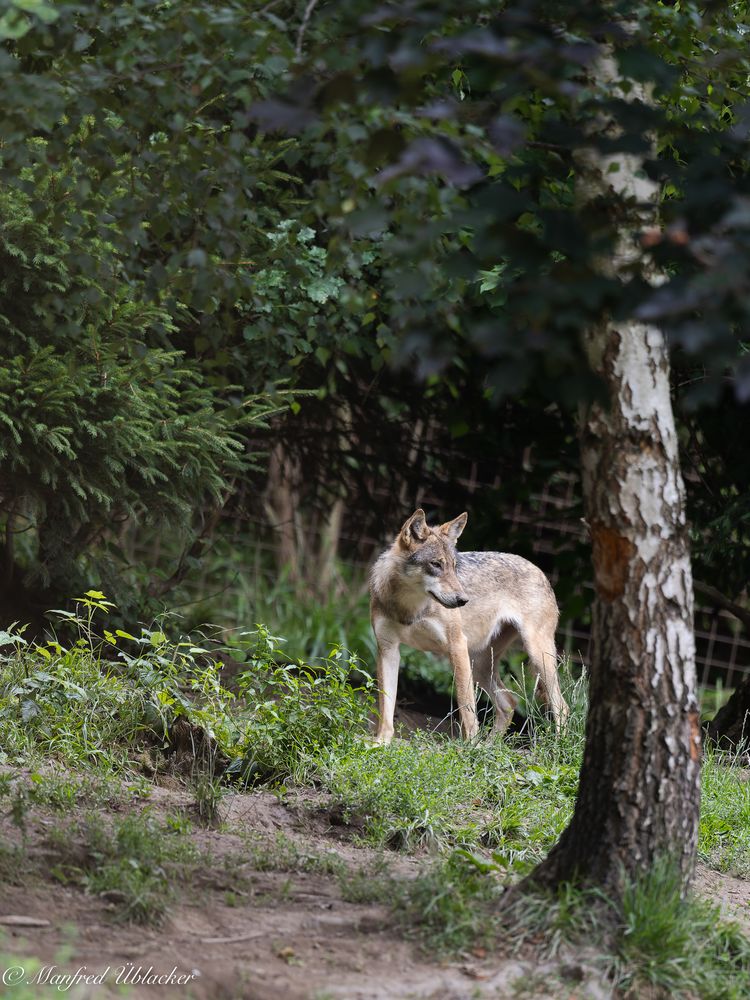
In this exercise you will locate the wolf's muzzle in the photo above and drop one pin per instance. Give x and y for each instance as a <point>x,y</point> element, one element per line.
<point>450,600</point>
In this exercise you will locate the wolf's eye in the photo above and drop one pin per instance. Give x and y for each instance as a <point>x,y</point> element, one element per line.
<point>437,566</point>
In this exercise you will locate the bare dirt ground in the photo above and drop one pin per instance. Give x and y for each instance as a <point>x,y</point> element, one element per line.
<point>254,934</point>
<point>240,931</point>
<point>732,894</point>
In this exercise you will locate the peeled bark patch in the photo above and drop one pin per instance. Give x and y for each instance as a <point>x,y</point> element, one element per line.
<point>611,555</point>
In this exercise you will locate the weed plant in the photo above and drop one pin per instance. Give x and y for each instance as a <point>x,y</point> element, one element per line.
<point>298,715</point>
<point>65,703</point>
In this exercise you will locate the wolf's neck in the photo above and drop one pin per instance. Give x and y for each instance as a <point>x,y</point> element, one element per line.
<point>400,598</point>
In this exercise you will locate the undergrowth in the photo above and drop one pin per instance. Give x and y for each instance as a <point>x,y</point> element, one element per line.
<point>100,701</point>
<point>84,711</point>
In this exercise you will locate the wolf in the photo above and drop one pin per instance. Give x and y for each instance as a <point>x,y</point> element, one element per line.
<point>467,606</point>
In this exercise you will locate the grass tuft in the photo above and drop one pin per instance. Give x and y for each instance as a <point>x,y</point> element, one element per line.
<point>653,943</point>
<point>682,947</point>
<point>134,864</point>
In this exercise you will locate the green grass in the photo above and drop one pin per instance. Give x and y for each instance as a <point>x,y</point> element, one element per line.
<point>653,943</point>
<point>65,792</point>
<point>724,837</point>
<point>369,882</point>
<point>454,905</point>
<point>434,792</point>
<point>135,863</point>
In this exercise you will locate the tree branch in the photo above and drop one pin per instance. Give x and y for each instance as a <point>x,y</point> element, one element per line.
<point>158,588</point>
<point>722,601</point>
<point>311,5</point>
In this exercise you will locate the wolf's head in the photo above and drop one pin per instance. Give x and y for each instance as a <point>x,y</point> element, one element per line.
<point>430,557</point>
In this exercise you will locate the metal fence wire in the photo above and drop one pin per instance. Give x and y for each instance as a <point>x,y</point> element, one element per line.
<point>549,519</point>
<point>722,652</point>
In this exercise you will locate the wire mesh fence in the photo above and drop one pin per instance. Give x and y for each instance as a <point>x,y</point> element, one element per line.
<point>549,520</point>
<point>722,652</point>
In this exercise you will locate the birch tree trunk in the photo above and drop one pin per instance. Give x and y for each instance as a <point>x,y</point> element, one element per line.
<point>639,791</point>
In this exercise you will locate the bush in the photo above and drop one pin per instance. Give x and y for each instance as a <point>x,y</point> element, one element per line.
<point>298,715</point>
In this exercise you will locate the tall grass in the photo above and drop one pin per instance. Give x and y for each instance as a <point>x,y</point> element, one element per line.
<point>724,837</point>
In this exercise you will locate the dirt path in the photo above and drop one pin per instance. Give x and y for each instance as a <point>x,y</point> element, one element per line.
<point>727,891</point>
<point>243,931</point>
<point>310,945</point>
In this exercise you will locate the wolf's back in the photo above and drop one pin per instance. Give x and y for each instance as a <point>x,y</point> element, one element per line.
<point>511,575</point>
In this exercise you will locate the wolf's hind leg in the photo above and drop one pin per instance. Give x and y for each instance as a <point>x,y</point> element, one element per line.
<point>540,645</point>
<point>486,666</point>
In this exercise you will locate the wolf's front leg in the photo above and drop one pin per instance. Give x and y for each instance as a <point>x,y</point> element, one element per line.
<point>462,673</point>
<point>389,659</point>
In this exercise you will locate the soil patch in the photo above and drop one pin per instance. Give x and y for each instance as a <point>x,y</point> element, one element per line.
<point>243,929</point>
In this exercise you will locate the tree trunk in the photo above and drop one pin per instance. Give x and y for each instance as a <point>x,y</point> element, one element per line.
<point>282,506</point>
<point>639,791</point>
<point>730,727</point>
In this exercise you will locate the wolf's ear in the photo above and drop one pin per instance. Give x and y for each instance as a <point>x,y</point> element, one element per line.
<point>454,528</point>
<point>415,528</point>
